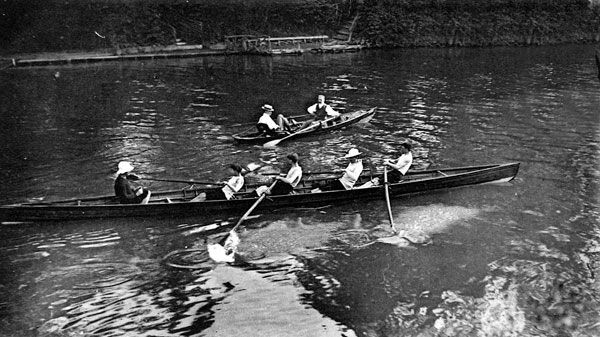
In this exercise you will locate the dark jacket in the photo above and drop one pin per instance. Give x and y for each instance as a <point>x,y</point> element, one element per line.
<point>125,192</point>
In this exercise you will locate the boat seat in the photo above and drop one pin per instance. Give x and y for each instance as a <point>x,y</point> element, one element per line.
<point>262,128</point>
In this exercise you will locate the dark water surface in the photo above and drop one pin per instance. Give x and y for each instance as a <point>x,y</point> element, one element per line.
<point>502,260</point>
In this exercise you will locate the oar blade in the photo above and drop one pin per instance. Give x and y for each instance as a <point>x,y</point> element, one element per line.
<point>253,167</point>
<point>273,143</point>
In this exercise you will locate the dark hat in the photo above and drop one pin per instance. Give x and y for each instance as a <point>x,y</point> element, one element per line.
<point>293,157</point>
<point>237,168</point>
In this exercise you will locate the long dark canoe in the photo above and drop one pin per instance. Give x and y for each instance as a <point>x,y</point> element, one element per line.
<point>337,123</point>
<point>178,202</point>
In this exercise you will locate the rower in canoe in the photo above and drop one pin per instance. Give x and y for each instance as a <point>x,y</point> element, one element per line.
<point>400,166</point>
<point>124,191</point>
<point>348,179</point>
<point>231,186</point>
<point>320,111</point>
<point>267,125</point>
<point>284,184</point>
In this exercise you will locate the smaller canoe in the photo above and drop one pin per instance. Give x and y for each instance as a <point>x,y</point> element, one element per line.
<point>340,122</point>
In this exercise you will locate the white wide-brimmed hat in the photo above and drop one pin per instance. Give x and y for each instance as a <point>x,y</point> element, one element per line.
<point>268,107</point>
<point>352,153</point>
<point>124,167</point>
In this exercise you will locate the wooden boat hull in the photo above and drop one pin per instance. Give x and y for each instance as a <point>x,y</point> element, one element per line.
<point>346,120</point>
<point>106,207</point>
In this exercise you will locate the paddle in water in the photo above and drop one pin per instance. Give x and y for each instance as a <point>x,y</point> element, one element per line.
<point>396,239</point>
<point>387,199</point>
<point>225,250</point>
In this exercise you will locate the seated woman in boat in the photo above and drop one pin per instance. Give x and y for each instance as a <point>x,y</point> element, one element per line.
<point>400,166</point>
<point>233,185</point>
<point>350,176</point>
<point>285,184</point>
<point>320,111</point>
<point>124,191</point>
<point>267,125</point>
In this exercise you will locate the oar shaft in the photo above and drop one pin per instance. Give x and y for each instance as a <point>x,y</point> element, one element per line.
<point>311,173</point>
<point>256,203</point>
<point>290,117</point>
<point>248,169</point>
<point>301,131</point>
<point>387,198</point>
<point>245,216</point>
<point>181,181</point>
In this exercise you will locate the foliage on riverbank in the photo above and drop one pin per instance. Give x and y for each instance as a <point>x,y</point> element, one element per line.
<point>43,26</point>
<point>418,23</point>
<point>47,26</point>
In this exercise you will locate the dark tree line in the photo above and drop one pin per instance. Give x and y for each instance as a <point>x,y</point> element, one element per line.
<point>37,26</point>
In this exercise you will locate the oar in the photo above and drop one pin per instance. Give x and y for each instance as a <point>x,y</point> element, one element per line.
<point>248,169</point>
<point>309,173</point>
<point>254,123</point>
<point>245,216</point>
<point>314,126</point>
<point>191,182</point>
<point>274,143</point>
<point>387,199</point>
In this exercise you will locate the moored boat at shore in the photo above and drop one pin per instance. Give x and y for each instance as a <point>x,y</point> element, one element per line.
<point>177,203</point>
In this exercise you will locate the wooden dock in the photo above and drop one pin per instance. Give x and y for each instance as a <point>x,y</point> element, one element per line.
<point>266,45</point>
<point>135,53</point>
<point>237,44</point>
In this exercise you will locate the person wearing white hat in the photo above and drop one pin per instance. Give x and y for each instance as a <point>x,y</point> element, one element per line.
<point>351,173</point>
<point>267,125</point>
<point>124,191</point>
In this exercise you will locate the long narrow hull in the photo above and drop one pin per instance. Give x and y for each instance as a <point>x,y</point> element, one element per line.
<point>105,207</point>
<point>345,120</point>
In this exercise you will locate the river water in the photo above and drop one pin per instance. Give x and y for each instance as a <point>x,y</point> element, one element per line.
<point>514,259</point>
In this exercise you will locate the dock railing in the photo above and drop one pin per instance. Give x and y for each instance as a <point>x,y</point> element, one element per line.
<point>250,42</point>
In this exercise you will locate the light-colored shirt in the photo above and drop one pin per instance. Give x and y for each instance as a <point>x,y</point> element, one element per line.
<point>234,184</point>
<point>351,174</point>
<point>294,175</point>
<point>404,162</point>
<point>330,112</point>
<point>266,119</point>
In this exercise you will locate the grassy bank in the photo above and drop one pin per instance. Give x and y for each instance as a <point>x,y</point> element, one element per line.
<point>46,26</point>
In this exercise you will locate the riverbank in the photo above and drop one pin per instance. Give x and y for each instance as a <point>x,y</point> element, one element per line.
<point>470,23</point>
<point>51,27</point>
